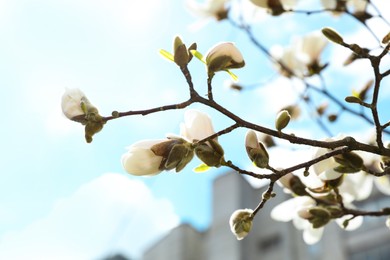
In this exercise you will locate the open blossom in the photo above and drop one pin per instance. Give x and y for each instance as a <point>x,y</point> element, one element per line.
<point>293,210</point>
<point>325,168</point>
<point>302,57</point>
<point>302,212</point>
<point>224,56</point>
<point>241,222</point>
<point>210,8</point>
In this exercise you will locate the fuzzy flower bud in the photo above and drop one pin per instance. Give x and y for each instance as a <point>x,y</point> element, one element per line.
<point>224,56</point>
<point>211,154</point>
<point>180,53</point>
<point>332,35</point>
<point>241,222</point>
<point>76,106</point>
<point>256,150</point>
<point>282,120</point>
<point>150,157</point>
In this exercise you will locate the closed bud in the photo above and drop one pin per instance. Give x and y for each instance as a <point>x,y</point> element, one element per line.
<point>241,222</point>
<point>335,211</point>
<point>351,159</point>
<point>332,35</point>
<point>256,150</point>
<point>320,217</point>
<point>386,39</point>
<point>76,106</point>
<point>224,56</point>
<point>93,127</point>
<point>297,186</point>
<point>353,99</point>
<point>282,120</point>
<point>180,53</point>
<point>179,156</point>
<point>175,153</point>
<point>210,156</point>
<point>332,118</point>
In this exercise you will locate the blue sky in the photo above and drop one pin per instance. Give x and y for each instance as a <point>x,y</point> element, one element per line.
<point>54,187</point>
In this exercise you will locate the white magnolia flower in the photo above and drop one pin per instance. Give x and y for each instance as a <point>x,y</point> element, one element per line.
<point>223,56</point>
<point>311,46</point>
<point>388,222</point>
<point>297,210</point>
<point>210,8</point>
<point>325,168</point>
<point>140,160</point>
<point>294,210</point>
<point>301,55</point>
<point>72,103</point>
<point>241,222</point>
<point>197,126</point>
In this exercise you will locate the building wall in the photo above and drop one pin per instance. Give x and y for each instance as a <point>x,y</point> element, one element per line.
<point>182,243</point>
<point>268,239</point>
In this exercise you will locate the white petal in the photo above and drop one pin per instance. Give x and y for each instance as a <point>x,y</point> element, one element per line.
<point>352,225</point>
<point>197,125</point>
<point>285,211</point>
<point>383,184</point>
<point>71,103</point>
<point>140,160</point>
<point>251,140</point>
<point>312,235</point>
<point>329,174</point>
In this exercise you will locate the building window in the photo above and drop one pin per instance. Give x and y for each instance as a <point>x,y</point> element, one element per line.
<point>270,243</point>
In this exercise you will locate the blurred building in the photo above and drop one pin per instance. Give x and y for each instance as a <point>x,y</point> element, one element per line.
<point>268,239</point>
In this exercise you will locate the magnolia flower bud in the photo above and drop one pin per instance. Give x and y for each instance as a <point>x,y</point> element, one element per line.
<point>140,160</point>
<point>320,217</point>
<point>211,155</point>
<point>241,222</point>
<point>386,39</point>
<point>76,106</point>
<point>180,52</point>
<point>332,35</point>
<point>388,222</point>
<point>256,150</point>
<point>282,120</point>
<point>224,56</point>
<point>150,157</point>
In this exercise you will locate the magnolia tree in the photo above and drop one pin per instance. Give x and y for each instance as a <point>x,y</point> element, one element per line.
<point>341,170</point>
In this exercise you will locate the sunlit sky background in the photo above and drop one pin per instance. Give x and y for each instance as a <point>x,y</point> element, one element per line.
<point>62,197</point>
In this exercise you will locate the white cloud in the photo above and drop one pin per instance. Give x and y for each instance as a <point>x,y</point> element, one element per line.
<point>109,214</point>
